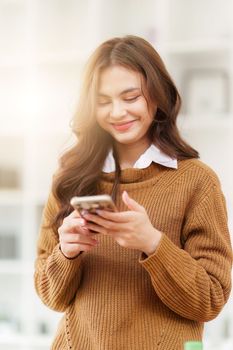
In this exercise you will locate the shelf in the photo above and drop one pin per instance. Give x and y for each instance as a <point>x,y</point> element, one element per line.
<point>198,47</point>
<point>10,197</point>
<point>203,122</point>
<point>25,340</point>
<point>16,267</point>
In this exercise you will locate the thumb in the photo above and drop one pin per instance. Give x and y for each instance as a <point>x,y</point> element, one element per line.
<point>131,203</point>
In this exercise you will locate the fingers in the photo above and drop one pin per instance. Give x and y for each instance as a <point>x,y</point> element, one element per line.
<point>123,217</point>
<point>108,227</point>
<point>131,203</point>
<point>71,251</point>
<point>74,236</point>
<point>95,229</point>
<point>73,224</point>
<point>74,214</point>
<point>93,219</point>
<point>71,238</point>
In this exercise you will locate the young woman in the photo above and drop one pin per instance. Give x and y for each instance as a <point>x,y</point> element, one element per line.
<point>148,276</point>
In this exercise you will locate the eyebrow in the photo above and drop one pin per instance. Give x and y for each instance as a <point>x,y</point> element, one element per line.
<point>131,89</point>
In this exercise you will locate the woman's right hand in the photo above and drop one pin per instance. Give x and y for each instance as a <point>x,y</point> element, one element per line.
<point>74,237</point>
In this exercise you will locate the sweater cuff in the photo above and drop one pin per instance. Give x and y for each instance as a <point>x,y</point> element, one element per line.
<point>58,264</point>
<point>163,255</point>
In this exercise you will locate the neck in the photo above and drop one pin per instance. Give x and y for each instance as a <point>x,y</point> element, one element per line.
<point>128,154</point>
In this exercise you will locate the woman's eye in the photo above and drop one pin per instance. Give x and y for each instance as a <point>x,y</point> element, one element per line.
<point>131,99</point>
<point>103,103</point>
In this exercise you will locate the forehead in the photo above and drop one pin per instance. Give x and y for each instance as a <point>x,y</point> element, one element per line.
<point>115,79</point>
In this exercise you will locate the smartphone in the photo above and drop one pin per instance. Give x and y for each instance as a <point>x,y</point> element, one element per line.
<point>91,203</point>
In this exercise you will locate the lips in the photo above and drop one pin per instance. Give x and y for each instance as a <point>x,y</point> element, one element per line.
<point>123,126</point>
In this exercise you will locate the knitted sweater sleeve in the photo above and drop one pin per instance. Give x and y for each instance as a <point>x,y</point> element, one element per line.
<point>195,281</point>
<point>56,278</point>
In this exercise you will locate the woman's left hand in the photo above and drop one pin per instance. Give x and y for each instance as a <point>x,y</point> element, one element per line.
<point>131,229</point>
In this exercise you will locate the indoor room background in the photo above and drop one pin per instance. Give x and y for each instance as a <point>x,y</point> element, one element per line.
<point>43,48</point>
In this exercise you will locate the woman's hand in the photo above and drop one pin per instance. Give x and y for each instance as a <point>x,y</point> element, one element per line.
<point>131,229</point>
<point>74,237</point>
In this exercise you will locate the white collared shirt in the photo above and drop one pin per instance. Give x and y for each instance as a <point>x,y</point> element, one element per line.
<point>152,154</point>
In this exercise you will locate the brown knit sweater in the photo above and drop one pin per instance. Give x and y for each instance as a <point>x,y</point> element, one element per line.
<point>115,298</point>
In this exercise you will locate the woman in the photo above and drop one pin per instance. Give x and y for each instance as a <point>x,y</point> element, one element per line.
<point>148,276</point>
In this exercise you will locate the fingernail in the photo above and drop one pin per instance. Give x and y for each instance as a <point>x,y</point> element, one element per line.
<point>84,212</point>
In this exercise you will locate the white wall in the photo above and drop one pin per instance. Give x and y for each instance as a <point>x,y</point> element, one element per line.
<point>43,48</point>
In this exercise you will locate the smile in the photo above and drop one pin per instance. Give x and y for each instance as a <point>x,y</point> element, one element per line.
<point>123,126</point>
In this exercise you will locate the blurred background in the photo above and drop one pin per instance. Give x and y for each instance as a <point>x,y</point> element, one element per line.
<point>43,48</point>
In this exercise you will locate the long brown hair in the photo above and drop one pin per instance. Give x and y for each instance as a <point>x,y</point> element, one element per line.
<point>80,167</point>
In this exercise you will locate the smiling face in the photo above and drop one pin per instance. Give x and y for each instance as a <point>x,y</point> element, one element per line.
<point>122,109</point>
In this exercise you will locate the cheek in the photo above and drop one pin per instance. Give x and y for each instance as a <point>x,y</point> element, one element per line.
<point>147,116</point>
<point>147,121</point>
<point>102,121</point>
<point>100,117</point>
<point>141,109</point>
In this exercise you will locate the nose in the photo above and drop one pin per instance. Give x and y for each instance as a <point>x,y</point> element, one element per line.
<point>118,110</point>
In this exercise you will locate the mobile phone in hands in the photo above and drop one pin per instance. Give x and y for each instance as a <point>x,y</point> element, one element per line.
<point>92,203</point>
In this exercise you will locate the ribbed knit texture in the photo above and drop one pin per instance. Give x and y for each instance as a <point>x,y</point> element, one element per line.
<point>119,299</point>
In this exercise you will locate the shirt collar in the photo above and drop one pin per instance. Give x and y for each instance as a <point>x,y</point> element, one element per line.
<point>152,154</point>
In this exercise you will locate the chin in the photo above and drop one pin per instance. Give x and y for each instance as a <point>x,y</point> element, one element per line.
<point>125,141</point>
<point>124,138</point>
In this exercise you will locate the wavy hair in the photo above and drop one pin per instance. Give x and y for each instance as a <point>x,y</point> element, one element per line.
<point>80,167</point>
